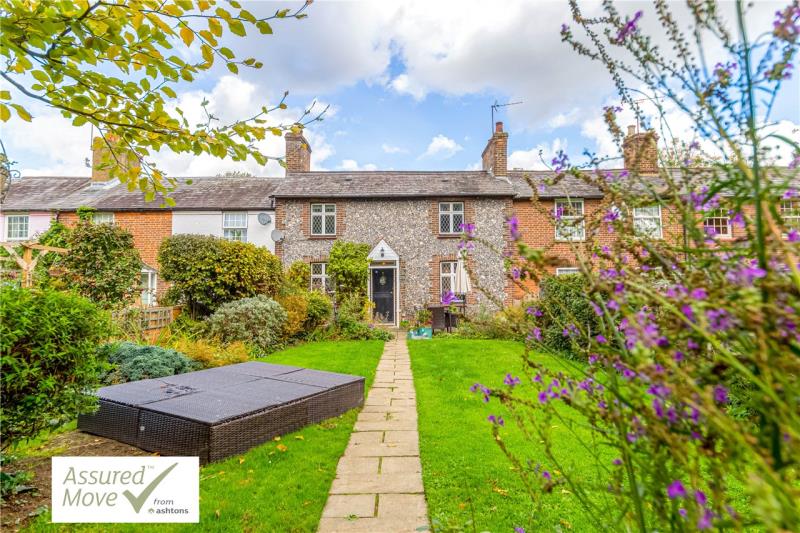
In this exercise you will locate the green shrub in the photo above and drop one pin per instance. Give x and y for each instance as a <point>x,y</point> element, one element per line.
<point>319,310</point>
<point>133,362</point>
<point>207,271</point>
<point>210,354</point>
<point>258,321</point>
<point>48,359</point>
<point>299,275</point>
<point>563,300</point>
<point>508,324</point>
<point>57,235</point>
<point>348,268</point>
<point>350,324</point>
<point>102,263</point>
<point>296,306</point>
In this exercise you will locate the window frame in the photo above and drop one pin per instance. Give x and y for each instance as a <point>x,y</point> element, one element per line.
<point>450,215</point>
<point>147,295</point>
<point>327,212</point>
<point>451,276</point>
<point>638,217</point>
<point>229,229</point>
<point>323,279</point>
<point>718,214</point>
<point>790,221</point>
<point>566,271</point>
<point>574,227</point>
<point>103,214</point>
<point>9,225</point>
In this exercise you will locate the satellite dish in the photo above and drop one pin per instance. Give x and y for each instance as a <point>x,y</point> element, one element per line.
<point>264,219</point>
<point>277,235</point>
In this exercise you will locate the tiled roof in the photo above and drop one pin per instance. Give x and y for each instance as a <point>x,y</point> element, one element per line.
<point>67,194</point>
<point>542,180</point>
<point>392,184</point>
<point>32,193</point>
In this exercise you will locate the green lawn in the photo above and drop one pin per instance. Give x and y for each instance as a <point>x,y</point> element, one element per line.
<point>268,489</point>
<point>465,473</point>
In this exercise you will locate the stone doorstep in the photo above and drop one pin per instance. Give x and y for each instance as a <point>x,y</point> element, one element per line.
<point>378,483</point>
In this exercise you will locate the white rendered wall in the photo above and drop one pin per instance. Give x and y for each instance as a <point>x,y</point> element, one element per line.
<point>210,223</point>
<point>38,223</point>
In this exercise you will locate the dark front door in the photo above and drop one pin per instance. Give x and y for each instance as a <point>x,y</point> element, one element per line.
<point>383,294</point>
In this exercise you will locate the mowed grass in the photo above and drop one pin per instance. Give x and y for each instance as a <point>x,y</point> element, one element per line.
<point>469,482</point>
<point>282,485</point>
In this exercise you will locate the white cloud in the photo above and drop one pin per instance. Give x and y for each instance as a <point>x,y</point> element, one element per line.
<point>389,149</point>
<point>564,119</point>
<point>442,147</point>
<point>538,157</point>
<point>352,165</point>
<point>405,85</point>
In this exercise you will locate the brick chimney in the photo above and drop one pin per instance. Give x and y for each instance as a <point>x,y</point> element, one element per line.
<point>495,155</point>
<point>100,172</point>
<point>298,153</point>
<point>640,151</point>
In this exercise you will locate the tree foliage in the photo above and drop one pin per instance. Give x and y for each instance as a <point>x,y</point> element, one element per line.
<point>348,268</point>
<point>48,355</point>
<point>102,263</point>
<point>116,65</point>
<point>207,271</point>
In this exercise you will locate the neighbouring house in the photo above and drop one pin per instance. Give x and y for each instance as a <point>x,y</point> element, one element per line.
<point>232,208</point>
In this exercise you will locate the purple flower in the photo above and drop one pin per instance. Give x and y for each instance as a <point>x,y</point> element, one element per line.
<point>700,498</point>
<point>513,226</point>
<point>468,229</point>
<point>511,381</point>
<point>676,490</point>
<point>535,311</point>
<point>794,163</point>
<point>617,462</point>
<point>560,162</point>
<point>516,273</point>
<point>704,522</point>
<point>628,29</point>
<point>520,529</point>
<point>448,298</point>
<point>721,395</point>
<point>793,236</point>
<point>496,420</point>
<point>601,339</point>
<point>547,475</point>
<point>536,334</point>
<point>698,294</point>
<point>719,320</point>
<point>543,397</point>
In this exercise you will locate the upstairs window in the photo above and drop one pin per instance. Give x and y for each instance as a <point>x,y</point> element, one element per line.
<point>647,221</point>
<point>102,217</point>
<point>717,223</point>
<point>323,219</point>
<point>451,217</point>
<point>790,213</point>
<point>17,227</point>
<point>234,226</point>
<point>319,277</point>
<point>569,220</point>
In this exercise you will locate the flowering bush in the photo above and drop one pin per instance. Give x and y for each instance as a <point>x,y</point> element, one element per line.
<point>690,402</point>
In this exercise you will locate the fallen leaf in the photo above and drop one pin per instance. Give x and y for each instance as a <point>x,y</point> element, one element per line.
<point>241,460</point>
<point>216,513</point>
<point>276,439</point>
<point>281,447</point>
<point>299,437</point>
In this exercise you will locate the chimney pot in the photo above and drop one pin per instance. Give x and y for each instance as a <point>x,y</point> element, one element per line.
<point>495,156</point>
<point>498,127</point>
<point>632,129</point>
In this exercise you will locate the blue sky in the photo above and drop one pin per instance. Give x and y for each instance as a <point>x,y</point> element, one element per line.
<point>410,86</point>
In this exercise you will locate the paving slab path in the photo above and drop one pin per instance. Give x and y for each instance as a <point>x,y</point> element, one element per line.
<point>378,485</point>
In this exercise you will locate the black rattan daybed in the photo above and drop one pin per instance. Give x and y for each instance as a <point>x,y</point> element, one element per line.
<point>220,412</point>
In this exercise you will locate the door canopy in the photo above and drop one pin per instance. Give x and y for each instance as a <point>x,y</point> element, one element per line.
<point>382,253</point>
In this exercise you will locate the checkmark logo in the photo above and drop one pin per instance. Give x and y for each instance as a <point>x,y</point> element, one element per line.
<point>138,501</point>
